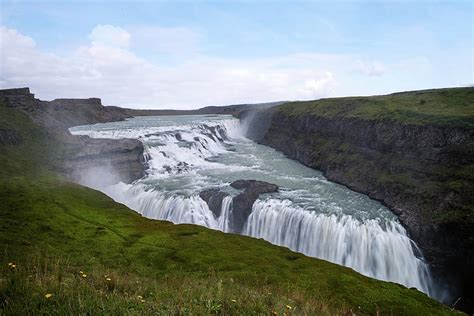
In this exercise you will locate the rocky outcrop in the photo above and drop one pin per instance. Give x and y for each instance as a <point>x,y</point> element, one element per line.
<point>423,173</point>
<point>241,203</point>
<point>79,154</point>
<point>17,97</point>
<point>73,112</point>
<point>213,198</point>
<point>62,113</point>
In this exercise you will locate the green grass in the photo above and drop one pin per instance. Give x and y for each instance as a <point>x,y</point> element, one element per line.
<point>55,285</point>
<point>449,107</point>
<point>98,236</point>
<point>51,229</point>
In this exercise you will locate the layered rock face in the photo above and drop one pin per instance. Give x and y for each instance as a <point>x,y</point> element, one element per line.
<point>421,172</point>
<point>121,157</point>
<point>80,154</point>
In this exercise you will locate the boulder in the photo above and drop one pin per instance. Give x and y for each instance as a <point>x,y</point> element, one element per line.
<point>213,198</point>
<point>241,203</point>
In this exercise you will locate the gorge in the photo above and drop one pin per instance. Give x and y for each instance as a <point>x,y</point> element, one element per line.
<point>200,169</point>
<point>413,151</point>
<point>187,155</point>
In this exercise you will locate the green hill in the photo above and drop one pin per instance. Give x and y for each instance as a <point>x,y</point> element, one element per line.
<point>95,256</point>
<point>445,107</point>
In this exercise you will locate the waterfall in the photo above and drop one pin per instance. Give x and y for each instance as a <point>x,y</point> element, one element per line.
<point>158,205</point>
<point>223,220</point>
<point>186,155</point>
<point>177,209</point>
<point>369,247</point>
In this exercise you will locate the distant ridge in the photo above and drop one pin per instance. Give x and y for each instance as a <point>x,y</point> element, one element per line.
<point>234,109</point>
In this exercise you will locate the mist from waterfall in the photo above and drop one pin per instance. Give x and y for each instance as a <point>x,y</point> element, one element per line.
<point>311,215</point>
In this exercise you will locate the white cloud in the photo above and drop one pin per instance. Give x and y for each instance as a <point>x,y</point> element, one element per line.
<point>321,87</point>
<point>371,69</point>
<point>12,37</point>
<point>106,68</point>
<point>110,35</point>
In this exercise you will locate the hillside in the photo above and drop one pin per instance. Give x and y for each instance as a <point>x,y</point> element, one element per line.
<point>97,256</point>
<point>414,151</point>
<point>442,107</point>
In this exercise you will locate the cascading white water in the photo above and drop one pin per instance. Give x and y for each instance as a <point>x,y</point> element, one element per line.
<point>224,219</point>
<point>369,247</point>
<point>310,214</point>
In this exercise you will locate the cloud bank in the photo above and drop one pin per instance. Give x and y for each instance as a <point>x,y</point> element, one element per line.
<point>108,67</point>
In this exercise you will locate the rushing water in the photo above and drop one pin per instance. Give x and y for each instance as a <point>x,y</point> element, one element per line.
<point>309,214</point>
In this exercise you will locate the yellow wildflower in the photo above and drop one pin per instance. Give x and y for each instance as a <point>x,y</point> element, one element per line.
<point>48,295</point>
<point>84,275</point>
<point>288,307</point>
<point>139,297</point>
<point>233,301</point>
<point>109,279</point>
<point>10,264</point>
<point>143,301</point>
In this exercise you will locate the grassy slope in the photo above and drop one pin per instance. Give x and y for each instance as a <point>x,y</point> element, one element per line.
<point>450,107</point>
<point>52,228</point>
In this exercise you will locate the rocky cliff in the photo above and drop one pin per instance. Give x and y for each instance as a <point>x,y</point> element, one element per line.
<point>79,154</point>
<point>423,169</point>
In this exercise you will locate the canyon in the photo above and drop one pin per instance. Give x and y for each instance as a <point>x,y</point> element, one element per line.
<point>419,165</point>
<point>420,169</point>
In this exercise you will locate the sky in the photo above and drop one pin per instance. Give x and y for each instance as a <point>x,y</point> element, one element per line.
<point>189,54</point>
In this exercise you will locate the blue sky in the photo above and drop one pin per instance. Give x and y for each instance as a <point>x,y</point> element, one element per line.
<point>189,54</point>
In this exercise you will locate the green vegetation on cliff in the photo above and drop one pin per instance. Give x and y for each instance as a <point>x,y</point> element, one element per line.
<point>67,249</point>
<point>449,107</point>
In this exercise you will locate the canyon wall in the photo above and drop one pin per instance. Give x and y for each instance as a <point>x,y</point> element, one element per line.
<point>79,155</point>
<point>423,172</point>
